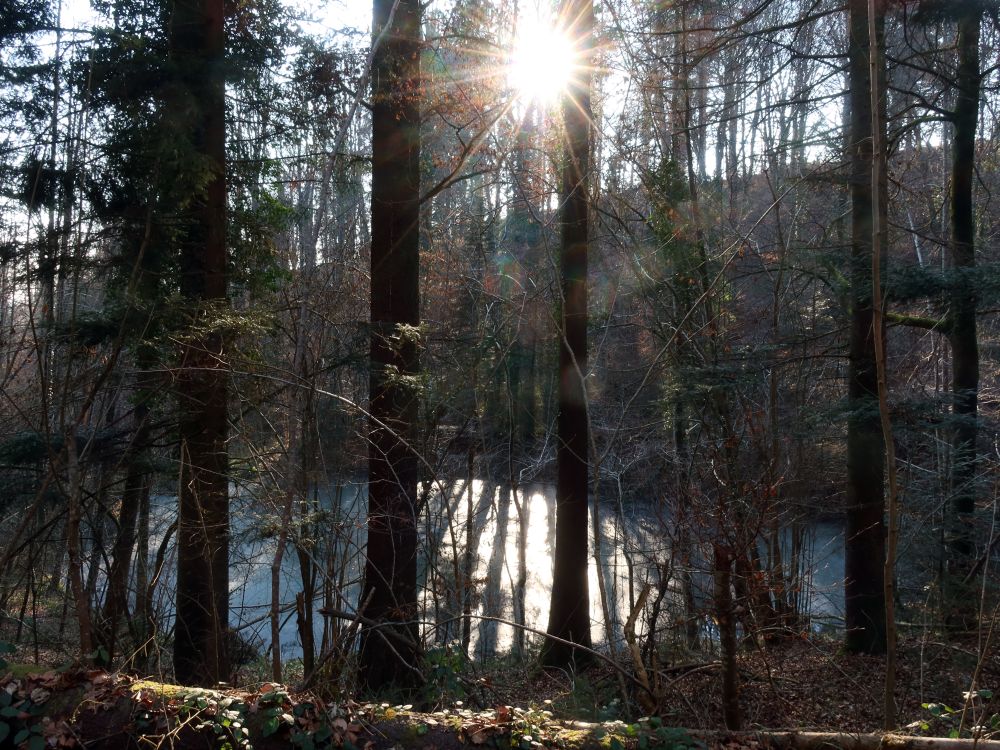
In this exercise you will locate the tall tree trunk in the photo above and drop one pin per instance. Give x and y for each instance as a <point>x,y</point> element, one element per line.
<point>864,600</point>
<point>136,483</point>
<point>879,236</point>
<point>74,487</point>
<point>723,574</point>
<point>569,614</point>
<point>390,581</point>
<point>144,625</point>
<point>468,554</point>
<point>197,48</point>
<point>964,341</point>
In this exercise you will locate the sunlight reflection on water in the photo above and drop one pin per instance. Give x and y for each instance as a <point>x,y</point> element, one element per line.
<point>634,533</point>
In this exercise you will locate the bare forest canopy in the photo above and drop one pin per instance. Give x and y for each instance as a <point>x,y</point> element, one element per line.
<point>652,341</point>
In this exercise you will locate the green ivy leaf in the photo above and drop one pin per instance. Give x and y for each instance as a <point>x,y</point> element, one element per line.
<point>323,734</point>
<point>37,742</point>
<point>4,730</point>
<point>270,726</point>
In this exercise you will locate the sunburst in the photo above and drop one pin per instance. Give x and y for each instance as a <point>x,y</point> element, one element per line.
<point>542,60</point>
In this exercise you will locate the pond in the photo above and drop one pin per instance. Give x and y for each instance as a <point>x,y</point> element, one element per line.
<point>635,544</point>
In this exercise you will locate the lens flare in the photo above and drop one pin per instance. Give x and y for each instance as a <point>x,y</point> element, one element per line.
<point>541,62</point>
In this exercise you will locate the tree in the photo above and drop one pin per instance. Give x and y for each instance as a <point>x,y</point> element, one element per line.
<point>197,41</point>
<point>865,536</point>
<point>569,613</point>
<point>963,333</point>
<point>389,595</point>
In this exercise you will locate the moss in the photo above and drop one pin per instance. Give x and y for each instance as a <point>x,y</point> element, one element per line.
<point>166,690</point>
<point>19,671</point>
<point>575,738</point>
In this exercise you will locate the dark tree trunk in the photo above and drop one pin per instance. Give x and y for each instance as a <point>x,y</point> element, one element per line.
<point>964,342</point>
<point>569,615</point>
<point>136,484</point>
<point>197,49</point>
<point>468,554</point>
<point>865,542</point>
<point>723,574</point>
<point>390,584</point>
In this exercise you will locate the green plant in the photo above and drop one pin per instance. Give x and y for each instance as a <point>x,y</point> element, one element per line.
<point>20,721</point>
<point>982,723</point>
<point>271,706</point>
<point>528,726</point>
<point>652,732</point>
<point>308,723</point>
<point>444,685</point>
<point>594,700</point>
<point>225,717</point>
<point>321,736</point>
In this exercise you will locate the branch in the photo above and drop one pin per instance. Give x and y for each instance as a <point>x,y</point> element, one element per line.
<point>942,325</point>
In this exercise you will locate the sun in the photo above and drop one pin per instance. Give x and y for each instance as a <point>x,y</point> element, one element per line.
<point>541,62</point>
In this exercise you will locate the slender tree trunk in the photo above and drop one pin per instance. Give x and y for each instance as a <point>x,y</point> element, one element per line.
<point>468,554</point>
<point>723,568</point>
<point>73,517</point>
<point>197,48</point>
<point>964,340</point>
<point>865,543</point>
<point>523,508</point>
<point>144,624</point>
<point>569,614</point>
<point>305,608</point>
<point>879,244</point>
<point>390,580</point>
<point>116,602</point>
<point>279,555</point>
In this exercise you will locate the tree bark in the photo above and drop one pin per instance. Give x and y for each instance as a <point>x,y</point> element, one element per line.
<point>197,49</point>
<point>390,580</point>
<point>136,483</point>
<point>569,613</point>
<point>74,482</point>
<point>964,340</point>
<point>723,574</point>
<point>864,601</point>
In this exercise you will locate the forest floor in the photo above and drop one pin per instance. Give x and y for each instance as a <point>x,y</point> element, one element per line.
<point>801,685</point>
